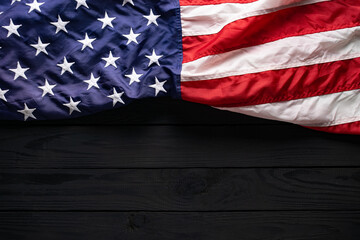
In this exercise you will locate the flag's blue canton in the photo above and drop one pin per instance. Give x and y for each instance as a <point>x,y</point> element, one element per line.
<point>67,58</point>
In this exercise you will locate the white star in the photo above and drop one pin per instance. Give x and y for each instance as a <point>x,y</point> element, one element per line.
<point>13,1</point>
<point>47,88</point>
<point>131,37</point>
<point>128,1</point>
<point>87,42</point>
<point>107,21</point>
<point>66,66</point>
<point>28,112</point>
<point>158,86</point>
<point>19,71</point>
<point>92,82</point>
<point>12,28</point>
<point>110,60</point>
<point>40,47</point>
<point>152,18</point>
<point>134,77</point>
<point>34,6</point>
<point>81,3</point>
<point>154,58</point>
<point>2,94</point>
<point>116,97</point>
<point>60,25</point>
<point>72,106</point>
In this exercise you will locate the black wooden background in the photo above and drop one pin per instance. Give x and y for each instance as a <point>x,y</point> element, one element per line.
<point>166,169</point>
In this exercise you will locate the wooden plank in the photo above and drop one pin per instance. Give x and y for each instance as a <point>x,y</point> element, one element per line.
<point>156,111</point>
<point>185,226</point>
<point>181,189</point>
<point>173,146</point>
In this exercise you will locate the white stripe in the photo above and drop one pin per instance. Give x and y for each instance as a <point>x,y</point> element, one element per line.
<point>320,111</point>
<point>286,53</point>
<point>210,19</point>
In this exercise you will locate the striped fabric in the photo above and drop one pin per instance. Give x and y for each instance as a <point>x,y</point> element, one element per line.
<point>290,60</point>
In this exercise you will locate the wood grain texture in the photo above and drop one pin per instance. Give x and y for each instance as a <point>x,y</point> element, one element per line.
<point>186,226</point>
<point>173,146</point>
<point>166,169</point>
<point>181,189</point>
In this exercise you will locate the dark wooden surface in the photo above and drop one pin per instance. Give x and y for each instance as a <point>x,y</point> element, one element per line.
<point>166,169</point>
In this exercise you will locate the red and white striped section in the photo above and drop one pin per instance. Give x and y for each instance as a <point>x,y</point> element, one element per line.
<point>209,17</point>
<point>290,60</point>
<point>318,111</point>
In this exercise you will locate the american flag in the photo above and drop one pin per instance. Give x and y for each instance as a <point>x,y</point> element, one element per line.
<point>68,58</point>
<point>289,60</point>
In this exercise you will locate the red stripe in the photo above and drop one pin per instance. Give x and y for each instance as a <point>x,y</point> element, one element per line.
<point>324,16</point>
<point>210,2</point>
<point>276,85</point>
<point>348,128</point>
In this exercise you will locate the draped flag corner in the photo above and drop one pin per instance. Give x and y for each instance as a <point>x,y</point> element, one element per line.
<point>289,60</point>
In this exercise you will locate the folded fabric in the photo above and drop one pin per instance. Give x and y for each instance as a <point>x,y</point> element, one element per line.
<point>289,60</point>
